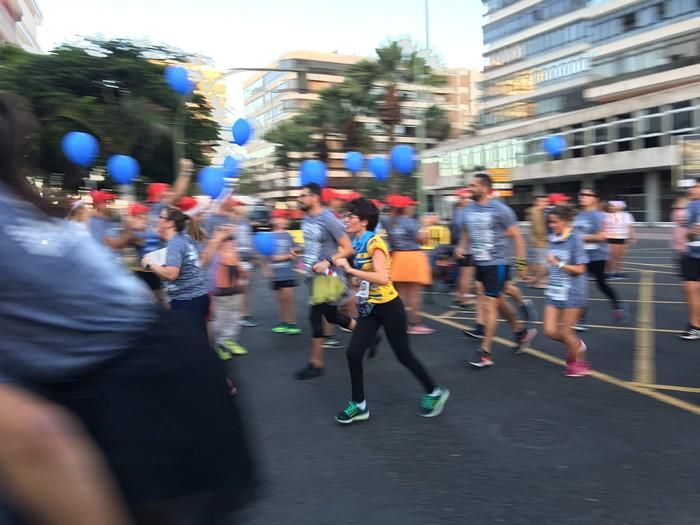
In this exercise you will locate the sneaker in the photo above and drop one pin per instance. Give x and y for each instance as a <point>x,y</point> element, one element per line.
<point>309,372</point>
<point>691,334</point>
<point>619,315</point>
<point>528,310</point>
<point>351,414</point>
<point>280,329</point>
<point>374,347</point>
<point>234,347</point>
<point>482,360</point>
<point>419,329</point>
<point>293,329</point>
<point>431,406</point>
<point>331,342</point>
<point>223,353</point>
<point>248,322</point>
<point>576,369</point>
<point>524,338</point>
<point>476,333</point>
<point>346,330</point>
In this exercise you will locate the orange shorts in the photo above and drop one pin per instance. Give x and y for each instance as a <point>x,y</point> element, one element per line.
<point>411,267</point>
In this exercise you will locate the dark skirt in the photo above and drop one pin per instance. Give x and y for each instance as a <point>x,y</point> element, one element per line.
<point>164,417</point>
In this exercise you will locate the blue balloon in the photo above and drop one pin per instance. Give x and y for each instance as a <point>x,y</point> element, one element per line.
<point>354,161</point>
<point>80,148</point>
<point>211,181</point>
<point>178,79</point>
<point>232,166</point>
<point>379,167</point>
<point>265,243</point>
<point>242,131</point>
<point>123,169</point>
<point>554,145</point>
<point>403,157</point>
<point>313,171</point>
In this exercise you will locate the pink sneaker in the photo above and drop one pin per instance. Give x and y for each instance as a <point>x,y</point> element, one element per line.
<point>577,369</point>
<point>419,329</point>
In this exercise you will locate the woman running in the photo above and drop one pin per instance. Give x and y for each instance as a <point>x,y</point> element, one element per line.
<point>620,229</point>
<point>379,305</point>
<point>590,225</point>
<point>411,265</point>
<point>567,292</point>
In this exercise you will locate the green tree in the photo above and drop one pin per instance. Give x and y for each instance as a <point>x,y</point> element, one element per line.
<point>115,90</point>
<point>436,123</point>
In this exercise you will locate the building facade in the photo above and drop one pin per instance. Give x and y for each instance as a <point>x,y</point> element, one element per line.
<point>19,20</point>
<point>618,79</point>
<point>273,96</point>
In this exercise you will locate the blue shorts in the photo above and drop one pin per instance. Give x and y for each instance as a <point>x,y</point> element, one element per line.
<point>493,278</point>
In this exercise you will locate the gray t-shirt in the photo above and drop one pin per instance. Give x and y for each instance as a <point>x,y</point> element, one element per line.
<point>590,223</point>
<point>100,228</point>
<point>182,253</point>
<point>693,217</point>
<point>66,304</point>
<point>403,233</point>
<point>214,221</point>
<point>566,290</point>
<point>486,225</point>
<point>243,235</point>
<point>283,270</point>
<point>321,235</point>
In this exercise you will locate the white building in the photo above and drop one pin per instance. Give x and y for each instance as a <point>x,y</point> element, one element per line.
<point>618,79</point>
<point>19,20</point>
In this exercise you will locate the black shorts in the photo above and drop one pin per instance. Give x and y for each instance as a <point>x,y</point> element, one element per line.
<point>151,279</point>
<point>690,268</point>
<point>494,278</point>
<point>278,285</point>
<point>617,241</point>
<point>465,262</point>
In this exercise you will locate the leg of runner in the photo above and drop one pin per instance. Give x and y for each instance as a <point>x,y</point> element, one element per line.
<point>331,314</point>
<point>692,295</point>
<point>597,270</point>
<point>51,471</point>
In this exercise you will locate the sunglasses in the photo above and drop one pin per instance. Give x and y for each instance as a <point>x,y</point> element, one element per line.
<point>164,218</point>
<point>587,195</point>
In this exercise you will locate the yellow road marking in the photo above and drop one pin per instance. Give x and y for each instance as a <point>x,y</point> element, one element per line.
<point>644,360</point>
<point>608,300</point>
<point>653,265</point>
<point>639,270</point>
<point>603,326</point>
<point>612,380</point>
<point>674,388</point>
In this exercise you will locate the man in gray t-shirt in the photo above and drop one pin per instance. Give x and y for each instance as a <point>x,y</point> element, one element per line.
<point>489,227</point>
<point>324,241</point>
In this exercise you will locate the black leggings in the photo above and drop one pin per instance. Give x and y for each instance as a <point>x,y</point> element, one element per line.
<point>597,270</point>
<point>332,315</point>
<point>392,316</point>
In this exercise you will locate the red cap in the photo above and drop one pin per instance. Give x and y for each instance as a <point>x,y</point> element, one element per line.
<point>100,197</point>
<point>154,190</point>
<point>138,209</point>
<point>280,214</point>
<point>186,203</point>
<point>399,201</point>
<point>379,204</point>
<point>558,198</point>
<point>329,194</point>
<point>350,196</point>
<point>411,201</point>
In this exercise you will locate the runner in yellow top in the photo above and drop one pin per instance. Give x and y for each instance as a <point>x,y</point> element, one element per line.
<point>378,305</point>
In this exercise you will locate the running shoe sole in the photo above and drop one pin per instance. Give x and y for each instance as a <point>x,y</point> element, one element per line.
<point>525,341</point>
<point>481,364</point>
<point>359,417</point>
<point>440,405</point>
<point>472,334</point>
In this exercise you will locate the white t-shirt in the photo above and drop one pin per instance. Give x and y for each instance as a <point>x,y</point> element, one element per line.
<point>618,225</point>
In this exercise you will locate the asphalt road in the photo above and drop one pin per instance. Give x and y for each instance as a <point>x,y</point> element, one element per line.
<point>517,443</point>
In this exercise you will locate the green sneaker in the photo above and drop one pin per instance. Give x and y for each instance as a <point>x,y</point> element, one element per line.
<point>351,414</point>
<point>234,347</point>
<point>281,328</point>
<point>293,329</point>
<point>431,406</point>
<point>223,353</point>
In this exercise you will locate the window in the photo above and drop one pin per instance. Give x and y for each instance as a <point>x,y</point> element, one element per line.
<point>660,11</point>
<point>682,120</point>
<point>601,138</point>
<point>625,132</point>
<point>629,22</point>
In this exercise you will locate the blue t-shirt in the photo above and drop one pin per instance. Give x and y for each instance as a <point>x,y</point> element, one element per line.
<point>214,221</point>
<point>66,304</point>
<point>182,253</point>
<point>283,270</point>
<point>590,223</point>
<point>566,290</point>
<point>100,228</point>
<point>692,217</point>
<point>403,233</point>
<point>486,225</point>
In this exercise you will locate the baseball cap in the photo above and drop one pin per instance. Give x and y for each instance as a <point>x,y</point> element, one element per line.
<point>137,208</point>
<point>101,197</point>
<point>154,190</point>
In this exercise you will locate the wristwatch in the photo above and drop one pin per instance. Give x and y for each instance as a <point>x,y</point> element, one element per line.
<point>561,265</point>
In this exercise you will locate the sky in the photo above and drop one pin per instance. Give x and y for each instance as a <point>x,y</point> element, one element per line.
<point>238,33</point>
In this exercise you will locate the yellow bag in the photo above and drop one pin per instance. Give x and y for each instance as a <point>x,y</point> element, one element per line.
<point>326,289</point>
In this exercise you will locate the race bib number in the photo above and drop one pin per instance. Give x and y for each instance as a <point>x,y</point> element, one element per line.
<point>591,246</point>
<point>481,253</point>
<point>557,292</point>
<point>363,292</point>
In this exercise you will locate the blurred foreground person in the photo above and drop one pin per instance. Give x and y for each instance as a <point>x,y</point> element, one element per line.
<point>82,331</point>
